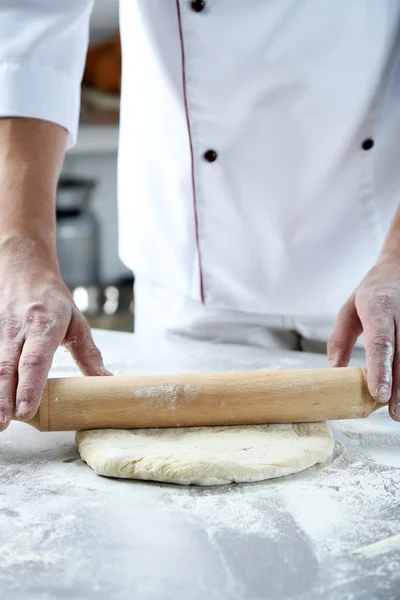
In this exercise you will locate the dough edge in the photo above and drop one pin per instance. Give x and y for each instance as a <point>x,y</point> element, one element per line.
<point>106,461</point>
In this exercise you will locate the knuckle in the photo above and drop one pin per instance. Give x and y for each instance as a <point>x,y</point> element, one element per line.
<point>27,392</point>
<point>42,322</point>
<point>45,320</point>
<point>5,407</point>
<point>93,353</point>
<point>32,360</point>
<point>36,307</point>
<point>382,302</point>
<point>42,332</point>
<point>7,368</point>
<point>383,344</point>
<point>70,342</point>
<point>11,327</point>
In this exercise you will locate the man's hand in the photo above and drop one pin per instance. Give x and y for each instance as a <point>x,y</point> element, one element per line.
<point>374,309</point>
<point>37,315</point>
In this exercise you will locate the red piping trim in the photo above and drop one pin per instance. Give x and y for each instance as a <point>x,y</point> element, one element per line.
<point>185,100</point>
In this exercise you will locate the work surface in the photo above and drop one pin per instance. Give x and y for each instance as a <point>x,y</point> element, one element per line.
<point>68,533</point>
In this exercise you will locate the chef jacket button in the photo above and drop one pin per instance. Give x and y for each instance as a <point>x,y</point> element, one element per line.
<point>210,156</point>
<point>198,5</point>
<point>367,144</point>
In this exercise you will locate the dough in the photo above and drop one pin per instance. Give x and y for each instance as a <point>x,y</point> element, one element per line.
<point>206,455</point>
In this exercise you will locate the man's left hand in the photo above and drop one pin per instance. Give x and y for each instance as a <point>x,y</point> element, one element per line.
<point>374,310</point>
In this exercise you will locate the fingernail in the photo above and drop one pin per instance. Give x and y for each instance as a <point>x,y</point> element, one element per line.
<point>331,363</point>
<point>383,393</point>
<point>396,411</point>
<point>3,417</point>
<point>22,410</point>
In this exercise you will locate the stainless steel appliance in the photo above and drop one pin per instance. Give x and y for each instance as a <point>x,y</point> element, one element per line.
<point>107,305</point>
<point>77,233</point>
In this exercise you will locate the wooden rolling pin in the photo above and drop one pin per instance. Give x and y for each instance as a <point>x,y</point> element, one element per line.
<point>239,398</point>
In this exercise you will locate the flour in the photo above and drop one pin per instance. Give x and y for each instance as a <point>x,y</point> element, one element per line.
<point>339,506</point>
<point>160,395</point>
<point>344,496</point>
<point>40,510</point>
<point>224,511</point>
<point>68,533</point>
<point>384,390</point>
<point>377,430</point>
<point>344,504</point>
<point>166,396</point>
<point>336,509</point>
<point>388,545</point>
<point>38,546</point>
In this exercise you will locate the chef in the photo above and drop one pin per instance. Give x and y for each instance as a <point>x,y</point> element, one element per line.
<point>259,179</point>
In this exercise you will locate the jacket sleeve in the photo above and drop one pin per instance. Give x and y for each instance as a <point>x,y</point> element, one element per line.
<point>42,54</point>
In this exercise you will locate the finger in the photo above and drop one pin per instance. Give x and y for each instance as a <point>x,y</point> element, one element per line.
<point>379,339</point>
<point>394,404</point>
<point>344,335</point>
<point>34,366</point>
<point>84,351</point>
<point>9,357</point>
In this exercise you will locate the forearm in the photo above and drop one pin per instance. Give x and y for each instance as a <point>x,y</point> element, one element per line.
<point>42,53</point>
<point>31,157</point>
<point>391,245</point>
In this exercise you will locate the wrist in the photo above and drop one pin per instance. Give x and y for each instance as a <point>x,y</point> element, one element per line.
<point>390,251</point>
<point>31,155</point>
<point>27,208</point>
<point>389,254</point>
<point>26,247</point>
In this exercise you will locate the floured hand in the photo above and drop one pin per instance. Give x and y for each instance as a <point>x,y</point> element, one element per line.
<point>374,309</point>
<point>37,315</point>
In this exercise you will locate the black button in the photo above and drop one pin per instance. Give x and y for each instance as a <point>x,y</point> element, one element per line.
<point>210,156</point>
<point>367,144</point>
<point>198,5</point>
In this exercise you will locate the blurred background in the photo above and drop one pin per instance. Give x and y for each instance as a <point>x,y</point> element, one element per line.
<point>87,220</point>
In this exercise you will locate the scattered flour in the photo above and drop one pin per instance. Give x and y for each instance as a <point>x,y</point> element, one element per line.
<point>338,506</point>
<point>166,396</point>
<point>55,512</point>
<point>160,395</point>
<point>390,544</point>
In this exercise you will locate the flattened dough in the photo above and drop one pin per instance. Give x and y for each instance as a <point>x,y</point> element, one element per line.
<point>206,455</point>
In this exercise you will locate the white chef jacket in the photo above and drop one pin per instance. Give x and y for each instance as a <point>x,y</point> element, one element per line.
<point>260,139</point>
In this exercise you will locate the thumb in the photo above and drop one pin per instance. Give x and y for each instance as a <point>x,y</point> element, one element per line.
<point>347,329</point>
<point>79,342</point>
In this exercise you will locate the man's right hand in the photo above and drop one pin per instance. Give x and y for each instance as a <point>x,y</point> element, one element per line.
<point>37,315</point>
<point>37,312</point>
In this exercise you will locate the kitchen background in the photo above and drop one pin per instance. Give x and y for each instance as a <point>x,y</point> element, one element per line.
<point>87,220</point>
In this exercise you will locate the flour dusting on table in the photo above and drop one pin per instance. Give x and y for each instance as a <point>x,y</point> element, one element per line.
<point>69,533</point>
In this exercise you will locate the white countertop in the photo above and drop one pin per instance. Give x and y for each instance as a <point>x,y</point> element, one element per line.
<point>67,533</point>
